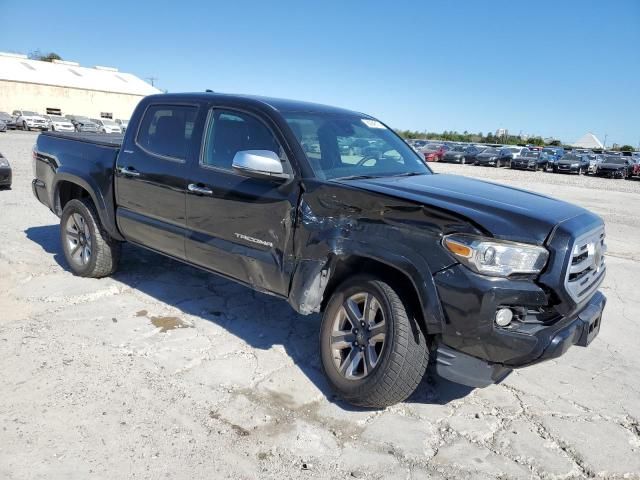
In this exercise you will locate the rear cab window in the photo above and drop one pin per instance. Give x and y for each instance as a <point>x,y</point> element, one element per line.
<point>166,130</point>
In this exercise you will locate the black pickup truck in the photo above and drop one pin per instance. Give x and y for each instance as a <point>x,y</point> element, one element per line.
<point>331,210</point>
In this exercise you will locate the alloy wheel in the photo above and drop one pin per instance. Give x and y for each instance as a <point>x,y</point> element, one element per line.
<point>78,238</point>
<point>358,336</point>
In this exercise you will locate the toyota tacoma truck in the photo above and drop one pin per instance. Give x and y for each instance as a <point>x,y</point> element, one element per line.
<point>408,268</point>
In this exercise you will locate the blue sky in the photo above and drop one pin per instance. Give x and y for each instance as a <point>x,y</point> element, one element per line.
<point>559,68</point>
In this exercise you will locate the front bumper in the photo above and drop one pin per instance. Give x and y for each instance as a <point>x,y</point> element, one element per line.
<point>610,173</point>
<point>548,343</point>
<point>566,169</point>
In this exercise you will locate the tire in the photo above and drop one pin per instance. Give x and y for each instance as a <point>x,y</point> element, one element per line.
<point>24,127</point>
<point>498,163</point>
<point>463,161</point>
<point>88,249</point>
<point>579,171</point>
<point>401,360</point>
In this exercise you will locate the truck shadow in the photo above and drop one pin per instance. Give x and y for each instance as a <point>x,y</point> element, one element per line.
<point>260,320</point>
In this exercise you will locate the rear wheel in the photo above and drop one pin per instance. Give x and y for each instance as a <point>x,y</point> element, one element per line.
<point>373,351</point>
<point>88,249</point>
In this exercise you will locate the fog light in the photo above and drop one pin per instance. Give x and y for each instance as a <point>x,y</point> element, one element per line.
<point>504,317</point>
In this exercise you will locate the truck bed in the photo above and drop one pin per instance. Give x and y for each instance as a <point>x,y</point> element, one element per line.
<point>105,139</point>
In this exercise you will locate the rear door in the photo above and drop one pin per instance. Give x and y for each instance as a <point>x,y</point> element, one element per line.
<point>151,181</point>
<point>240,226</point>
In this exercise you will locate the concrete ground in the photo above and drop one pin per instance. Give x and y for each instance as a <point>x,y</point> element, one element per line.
<point>164,371</point>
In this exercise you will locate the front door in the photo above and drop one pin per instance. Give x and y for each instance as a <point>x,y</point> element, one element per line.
<point>151,179</point>
<point>240,226</point>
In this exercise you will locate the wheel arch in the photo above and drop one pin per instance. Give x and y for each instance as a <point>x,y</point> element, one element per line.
<point>69,185</point>
<point>315,281</point>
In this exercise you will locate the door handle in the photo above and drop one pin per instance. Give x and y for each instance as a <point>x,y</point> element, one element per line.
<point>129,172</point>
<point>194,188</point>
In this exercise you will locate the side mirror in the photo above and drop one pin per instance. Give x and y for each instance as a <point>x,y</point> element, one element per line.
<point>259,164</point>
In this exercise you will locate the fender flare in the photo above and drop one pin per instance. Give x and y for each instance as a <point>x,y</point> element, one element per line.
<point>64,174</point>
<point>312,276</point>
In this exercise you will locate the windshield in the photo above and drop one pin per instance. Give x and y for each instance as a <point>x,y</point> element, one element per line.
<point>56,118</point>
<point>349,146</point>
<point>106,121</point>
<point>531,154</point>
<point>491,151</point>
<point>5,116</point>
<point>458,149</point>
<point>29,114</point>
<point>615,160</point>
<point>515,149</point>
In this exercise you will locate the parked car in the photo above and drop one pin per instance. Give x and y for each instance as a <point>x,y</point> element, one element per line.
<point>517,151</point>
<point>497,157</point>
<point>106,125</point>
<point>556,152</point>
<point>5,172</point>
<point>59,124</point>
<point>123,124</point>
<point>595,159</point>
<point>8,120</point>
<point>636,166</point>
<point>82,124</point>
<point>470,155</point>
<point>3,126</point>
<point>572,163</point>
<point>531,160</point>
<point>616,166</point>
<point>433,152</point>
<point>476,278</point>
<point>458,154</point>
<point>28,120</point>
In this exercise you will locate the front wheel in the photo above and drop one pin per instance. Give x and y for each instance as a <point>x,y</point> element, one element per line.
<point>372,349</point>
<point>88,249</point>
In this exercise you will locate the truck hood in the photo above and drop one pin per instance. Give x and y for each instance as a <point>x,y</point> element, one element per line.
<point>505,212</point>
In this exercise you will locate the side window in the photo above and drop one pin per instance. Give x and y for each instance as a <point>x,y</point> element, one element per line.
<point>230,132</point>
<point>166,130</point>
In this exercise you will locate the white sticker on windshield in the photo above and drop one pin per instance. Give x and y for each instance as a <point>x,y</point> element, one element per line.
<point>372,123</point>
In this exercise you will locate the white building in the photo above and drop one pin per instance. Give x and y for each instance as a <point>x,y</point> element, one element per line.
<point>588,140</point>
<point>62,88</point>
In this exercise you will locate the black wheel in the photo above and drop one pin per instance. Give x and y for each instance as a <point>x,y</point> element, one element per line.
<point>373,351</point>
<point>498,163</point>
<point>463,161</point>
<point>24,126</point>
<point>88,249</point>
<point>580,171</point>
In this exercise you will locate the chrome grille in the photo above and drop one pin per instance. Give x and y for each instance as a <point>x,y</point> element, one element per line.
<point>586,265</point>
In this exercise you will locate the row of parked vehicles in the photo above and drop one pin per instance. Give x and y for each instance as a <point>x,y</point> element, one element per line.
<point>28,120</point>
<point>610,164</point>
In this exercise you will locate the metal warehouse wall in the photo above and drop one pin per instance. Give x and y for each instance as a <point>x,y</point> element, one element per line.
<point>35,97</point>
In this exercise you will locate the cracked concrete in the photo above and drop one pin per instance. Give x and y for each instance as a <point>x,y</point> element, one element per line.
<point>226,382</point>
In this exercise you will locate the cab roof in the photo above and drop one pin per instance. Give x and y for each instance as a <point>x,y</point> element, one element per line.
<point>278,104</point>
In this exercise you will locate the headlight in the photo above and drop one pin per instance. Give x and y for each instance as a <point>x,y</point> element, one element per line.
<point>4,162</point>
<point>496,257</point>
<point>575,164</point>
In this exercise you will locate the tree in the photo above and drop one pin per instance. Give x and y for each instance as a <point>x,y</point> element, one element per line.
<point>626,148</point>
<point>44,57</point>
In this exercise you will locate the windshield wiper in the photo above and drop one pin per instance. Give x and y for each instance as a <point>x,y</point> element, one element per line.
<point>357,177</point>
<point>408,174</point>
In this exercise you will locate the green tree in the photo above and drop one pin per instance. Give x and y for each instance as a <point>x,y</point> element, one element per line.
<point>626,148</point>
<point>44,57</point>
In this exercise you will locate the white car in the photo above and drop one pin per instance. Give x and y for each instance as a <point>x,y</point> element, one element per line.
<point>106,125</point>
<point>59,124</point>
<point>27,120</point>
<point>123,124</point>
<point>517,151</point>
